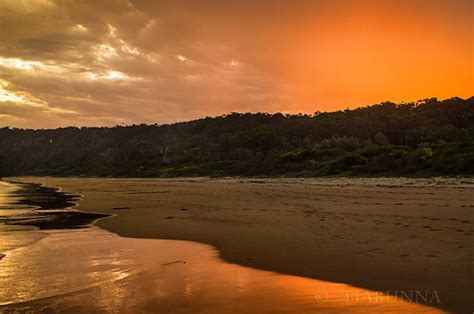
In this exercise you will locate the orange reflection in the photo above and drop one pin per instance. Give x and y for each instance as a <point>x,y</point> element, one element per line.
<point>94,270</point>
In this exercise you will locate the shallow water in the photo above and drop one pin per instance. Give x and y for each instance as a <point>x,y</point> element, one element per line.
<point>93,270</point>
<point>12,236</point>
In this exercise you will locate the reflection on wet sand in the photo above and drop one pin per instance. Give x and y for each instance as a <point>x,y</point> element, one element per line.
<point>13,236</point>
<point>94,270</point>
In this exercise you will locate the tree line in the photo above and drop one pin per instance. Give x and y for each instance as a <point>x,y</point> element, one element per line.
<point>424,138</point>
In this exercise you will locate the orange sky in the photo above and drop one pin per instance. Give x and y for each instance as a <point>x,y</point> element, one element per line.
<point>387,52</point>
<point>110,62</point>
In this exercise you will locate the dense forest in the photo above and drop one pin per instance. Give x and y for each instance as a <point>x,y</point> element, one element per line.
<point>425,138</point>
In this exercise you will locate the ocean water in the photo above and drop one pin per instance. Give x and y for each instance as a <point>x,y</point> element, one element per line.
<point>91,270</point>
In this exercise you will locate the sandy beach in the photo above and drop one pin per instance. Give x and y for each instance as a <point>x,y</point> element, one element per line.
<point>391,235</point>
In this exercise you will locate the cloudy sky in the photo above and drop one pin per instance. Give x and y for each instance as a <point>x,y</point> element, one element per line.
<point>107,62</point>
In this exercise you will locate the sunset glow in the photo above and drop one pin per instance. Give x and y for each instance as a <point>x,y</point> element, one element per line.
<point>105,63</point>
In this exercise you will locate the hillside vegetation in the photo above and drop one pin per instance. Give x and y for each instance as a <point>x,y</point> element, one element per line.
<point>426,138</point>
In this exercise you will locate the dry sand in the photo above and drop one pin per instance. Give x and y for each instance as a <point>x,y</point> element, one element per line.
<point>380,234</point>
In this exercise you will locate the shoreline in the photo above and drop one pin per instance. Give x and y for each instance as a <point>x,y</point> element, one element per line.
<point>274,249</point>
<point>336,296</point>
<point>149,275</point>
<point>53,208</point>
<point>47,208</point>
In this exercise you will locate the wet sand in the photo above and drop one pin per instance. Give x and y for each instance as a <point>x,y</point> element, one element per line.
<point>32,204</point>
<point>379,234</point>
<point>92,270</point>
